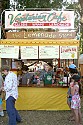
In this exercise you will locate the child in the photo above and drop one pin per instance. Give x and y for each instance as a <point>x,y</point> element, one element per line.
<point>69,98</point>
<point>75,103</point>
<point>1,108</point>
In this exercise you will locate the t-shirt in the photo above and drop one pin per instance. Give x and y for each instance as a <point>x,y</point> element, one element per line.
<point>48,78</point>
<point>25,77</point>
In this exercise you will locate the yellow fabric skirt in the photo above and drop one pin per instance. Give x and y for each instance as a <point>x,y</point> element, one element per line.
<point>32,98</point>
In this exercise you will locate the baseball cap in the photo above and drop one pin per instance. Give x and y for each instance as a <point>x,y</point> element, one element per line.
<point>72,66</point>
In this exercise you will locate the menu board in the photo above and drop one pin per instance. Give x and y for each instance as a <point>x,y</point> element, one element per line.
<point>48,52</point>
<point>68,52</point>
<point>29,52</point>
<point>7,51</point>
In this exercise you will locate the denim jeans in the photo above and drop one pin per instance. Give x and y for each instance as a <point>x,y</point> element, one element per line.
<point>12,112</point>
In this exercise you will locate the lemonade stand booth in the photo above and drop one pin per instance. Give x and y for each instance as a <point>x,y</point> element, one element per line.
<point>40,44</point>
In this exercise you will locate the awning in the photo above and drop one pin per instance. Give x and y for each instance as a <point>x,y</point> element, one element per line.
<point>39,42</point>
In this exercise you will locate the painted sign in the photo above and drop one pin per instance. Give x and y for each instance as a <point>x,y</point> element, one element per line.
<point>29,52</point>
<point>68,52</point>
<point>39,19</point>
<point>7,51</point>
<point>48,52</point>
<point>40,35</point>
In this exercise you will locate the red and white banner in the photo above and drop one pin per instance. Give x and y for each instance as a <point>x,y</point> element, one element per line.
<point>68,52</point>
<point>39,19</point>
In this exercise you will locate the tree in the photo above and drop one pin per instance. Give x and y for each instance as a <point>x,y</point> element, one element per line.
<point>81,4</point>
<point>57,4</point>
<point>41,3</point>
<point>35,3</point>
<point>4,5</point>
<point>81,10</point>
<point>81,21</point>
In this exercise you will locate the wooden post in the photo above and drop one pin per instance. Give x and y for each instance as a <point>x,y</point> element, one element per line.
<point>81,69</point>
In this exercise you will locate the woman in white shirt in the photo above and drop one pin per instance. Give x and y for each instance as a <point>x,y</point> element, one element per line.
<point>11,89</point>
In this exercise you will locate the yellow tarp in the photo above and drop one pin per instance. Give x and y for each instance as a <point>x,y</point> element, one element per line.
<point>41,99</point>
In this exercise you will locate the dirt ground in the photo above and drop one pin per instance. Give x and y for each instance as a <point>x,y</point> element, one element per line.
<point>43,117</point>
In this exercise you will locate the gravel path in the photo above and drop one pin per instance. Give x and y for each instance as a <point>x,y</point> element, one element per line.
<point>43,117</point>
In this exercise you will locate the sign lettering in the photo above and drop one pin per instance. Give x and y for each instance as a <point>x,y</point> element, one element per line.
<point>39,19</point>
<point>41,35</point>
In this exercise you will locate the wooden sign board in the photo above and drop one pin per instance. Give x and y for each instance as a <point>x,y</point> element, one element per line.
<point>40,35</point>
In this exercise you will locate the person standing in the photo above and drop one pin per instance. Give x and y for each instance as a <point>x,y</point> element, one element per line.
<point>11,89</point>
<point>48,75</point>
<point>75,92</point>
<point>1,89</point>
<point>75,103</point>
<point>26,76</point>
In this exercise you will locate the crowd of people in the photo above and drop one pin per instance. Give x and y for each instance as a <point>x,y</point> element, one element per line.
<point>44,74</point>
<point>10,85</point>
<point>48,75</point>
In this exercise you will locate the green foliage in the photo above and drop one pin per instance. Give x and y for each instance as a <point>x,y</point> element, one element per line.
<point>4,4</point>
<point>57,4</point>
<point>41,3</point>
<point>35,3</point>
